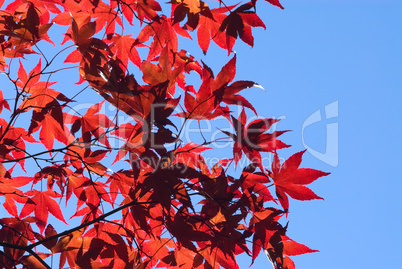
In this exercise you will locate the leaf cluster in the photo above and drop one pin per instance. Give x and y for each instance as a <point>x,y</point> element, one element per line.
<point>165,206</point>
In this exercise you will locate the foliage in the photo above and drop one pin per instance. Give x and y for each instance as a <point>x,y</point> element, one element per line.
<point>170,207</point>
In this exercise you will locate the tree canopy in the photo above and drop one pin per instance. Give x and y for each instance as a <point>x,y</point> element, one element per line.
<point>142,196</point>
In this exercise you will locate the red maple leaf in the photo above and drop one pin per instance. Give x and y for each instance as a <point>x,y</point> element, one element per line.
<point>3,103</point>
<point>124,49</point>
<point>191,8</point>
<point>145,9</point>
<point>12,145</point>
<point>252,139</point>
<point>279,249</point>
<point>107,17</point>
<point>68,247</point>
<point>239,23</point>
<point>52,127</point>
<point>163,32</point>
<point>9,189</point>
<point>189,155</point>
<point>275,3</point>
<point>209,29</point>
<point>290,179</point>
<point>202,106</point>
<point>42,203</point>
<point>226,93</point>
<point>27,81</point>
<point>93,124</point>
<point>82,30</point>
<point>213,91</point>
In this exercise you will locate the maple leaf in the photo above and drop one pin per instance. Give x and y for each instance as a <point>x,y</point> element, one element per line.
<point>162,72</point>
<point>209,28</point>
<point>111,244</point>
<point>9,188</point>
<point>81,157</point>
<point>228,93</point>
<point>41,98</point>
<point>52,127</point>
<point>280,247</point>
<point>31,23</point>
<point>289,179</point>
<point>274,2</point>
<point>213,91</point>
<point>189,155</point>
<point>293,248</point>
<point>27,81</point>
<point>191,8</point>
<point>134,139</point>
<point>13,142</point>
<point>265,227</point>
<point>170,184</point>
<point>186,231</point>
<point>74,185</point>
<point>157,247</point>
<point>82,30</point>
<point>163,32</point>
<point>68,246</point>
<point>42,203</point>
<point>16,231</point>
<point>32,262</point>
<point>255,181</point>
<point>145,9</point>
<point>50,232</point>
<point>40,5</point>
<point>239,23</point>
<point>201,107</point>
<point>55,173</point>
<point>252,139</point>
<point>94,193</point>
<point>120,181</point>
<point>93,123</point>
<point>120,49</point>
<point>3,103</point>
<point>106,16</point>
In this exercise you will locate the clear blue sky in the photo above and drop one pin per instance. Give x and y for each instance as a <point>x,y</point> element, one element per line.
<point>315,53</point>
<point>312,54</point>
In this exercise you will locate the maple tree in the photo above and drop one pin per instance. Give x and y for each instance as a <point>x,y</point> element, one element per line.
<point>165,206</point>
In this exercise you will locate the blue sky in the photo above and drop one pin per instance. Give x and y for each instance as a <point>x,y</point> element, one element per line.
<point>315,53</point>
<point>348,54</point>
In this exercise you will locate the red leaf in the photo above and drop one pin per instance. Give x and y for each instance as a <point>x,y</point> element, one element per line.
<point>32,20</point>
<point>82,30</point>
<point>252,139</point>
<point>27,81</point>
<point>52,128</point>
<point>3,103</point>
<point>146,9</point>
<point>189,155</point>
<point>42,203</point>
<point>292,248</point>
<point>124,49</point>
<point>192,9</point>
<point>209,29</point>
<point>93,123</point>
<point>163,32</point>
<point>275,3</point>
<point>239,23</point>
<point>289,179</point>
